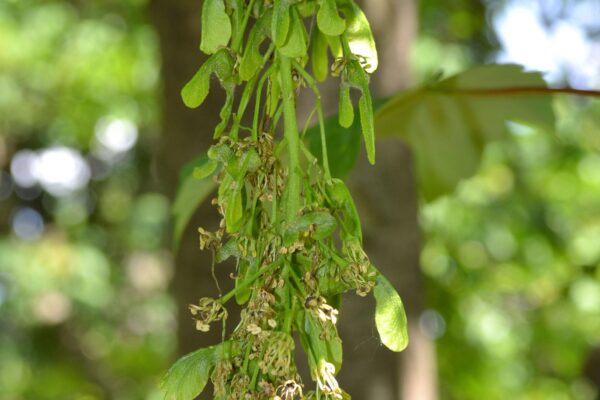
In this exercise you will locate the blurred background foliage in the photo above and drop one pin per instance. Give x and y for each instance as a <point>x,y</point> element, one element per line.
<point>512,259</point>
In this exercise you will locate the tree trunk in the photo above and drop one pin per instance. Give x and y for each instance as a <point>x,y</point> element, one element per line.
<point>186,133</point>
<point>386,198</point>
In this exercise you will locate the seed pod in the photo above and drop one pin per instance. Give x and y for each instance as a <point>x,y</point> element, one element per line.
<point>216,26</point>
<point>320,58</point>
<point>345,108</point>
<point>328,19</point>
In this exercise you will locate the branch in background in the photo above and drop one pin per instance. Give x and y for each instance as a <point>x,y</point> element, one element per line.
<point>521,91</point>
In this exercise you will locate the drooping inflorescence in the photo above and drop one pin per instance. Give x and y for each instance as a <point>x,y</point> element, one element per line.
<point>291,228</point>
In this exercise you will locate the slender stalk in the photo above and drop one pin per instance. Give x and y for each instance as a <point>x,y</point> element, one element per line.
<point>521,91</point>
<point>313,85</point>
<point>237,42</point>
<point>247,282</point>
<point>290,132</point>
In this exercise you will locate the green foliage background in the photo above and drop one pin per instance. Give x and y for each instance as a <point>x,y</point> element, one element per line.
<point>511,258</point>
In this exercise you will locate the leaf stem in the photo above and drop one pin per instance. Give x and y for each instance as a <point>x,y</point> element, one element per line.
<point>290,132</point>
<point>248,282</point>
<point>313,86</point>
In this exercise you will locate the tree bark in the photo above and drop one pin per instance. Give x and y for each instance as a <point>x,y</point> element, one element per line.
<point>386,197</point>
<point>186,133</point>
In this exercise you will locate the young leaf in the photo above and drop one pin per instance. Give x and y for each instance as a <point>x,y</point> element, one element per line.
<point>205,170</point>
<point>341,199</point>
<point>359,79</point>
<point>359,35</point>
<point>191,193</point>
<point>187,377</point>
<point>216,26</point>
<point>328,19</point>
<point>448,124</point>
<point>335,45</point>
<point>252,60</point>
<point>225,113</point>
<point>229,249</point>
<point>234,211</point>
<point>221,153</point>
<point>296,45</point>
<point>323,350</point>
<point>195,91</point>
<point>322,223</point>
<point>365,109</point>
<point>390,317</point>
<point>345,108</point>
<point>243,293</point>
<point>280,24</point>
<point>320,58</point>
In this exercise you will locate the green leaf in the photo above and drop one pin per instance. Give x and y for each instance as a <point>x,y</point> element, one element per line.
<point>195,91</point>
<point>345,108</point>
<point>359,35</point>
<point>320,58</point>
<point>296,45</point>
<point>252,60</point>
<point>323,223</point>
<point>216,26</point>
<point>341,199</point>
<point>390,317</point>
<point>359,79</point>
<point>229,249</point>
<point>191,193</point>
<point>323,350</point>
<point>188,376</point>
<point>234,211</point>
<point>280,24</point>
<point>328,19</point>
<point>244,291</point>
<point>205,170</point>
<point>225,113</point>
<point>448,124</point>
<point>343,144</point>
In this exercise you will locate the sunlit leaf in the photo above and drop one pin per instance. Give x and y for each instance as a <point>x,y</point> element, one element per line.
<point>359,35</point>
<point>280,24</point>
<point>320,58</point>
<point>216,26</point>
<point>448,124</point>
<point>296,44</point>
<point>195,91</point>
<point>390,317</point>
<point>328,19</point>
<point>345,107</point>
<point>252,60</point>
<point>188,376</point>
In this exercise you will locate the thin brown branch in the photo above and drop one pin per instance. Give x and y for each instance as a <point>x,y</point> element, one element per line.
<point>522,91</point>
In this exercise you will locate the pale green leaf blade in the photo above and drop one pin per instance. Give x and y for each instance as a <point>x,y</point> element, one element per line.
<point>216,26</point>
<point>195,91</point>
<point>296,44</point>
<point>320,57</point>
<point>390,317</point>
<point>359,35</point>
<point>449,123</point>
<point>188,376</point>
<point>191,193</point>
<point>328,19</point>
<point>280,24</point>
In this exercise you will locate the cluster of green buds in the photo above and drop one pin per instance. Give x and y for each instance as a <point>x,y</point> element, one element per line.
<point>291,228</point>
